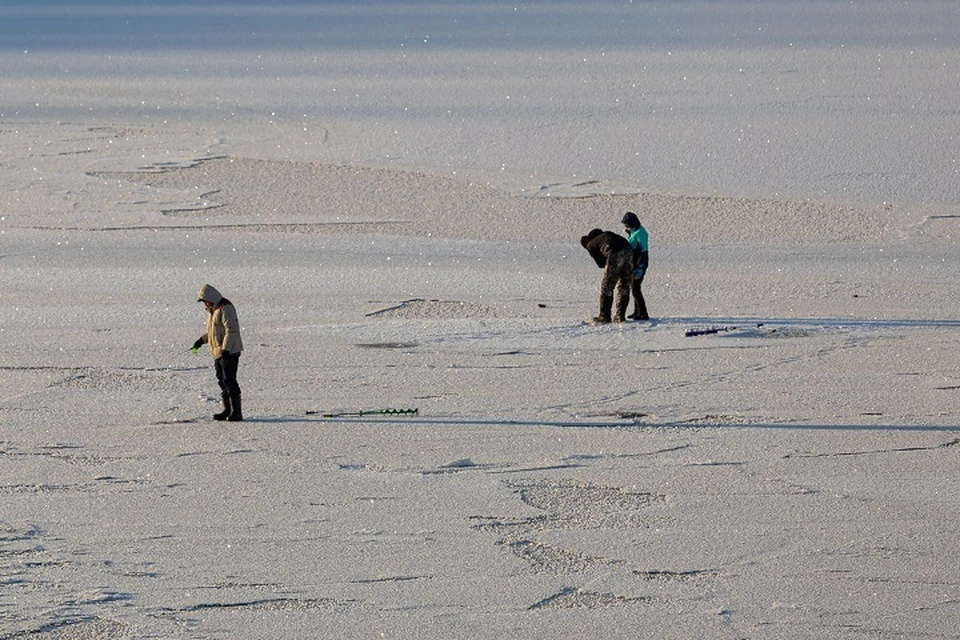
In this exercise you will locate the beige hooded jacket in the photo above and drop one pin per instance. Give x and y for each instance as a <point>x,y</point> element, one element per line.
<point>223,326</point>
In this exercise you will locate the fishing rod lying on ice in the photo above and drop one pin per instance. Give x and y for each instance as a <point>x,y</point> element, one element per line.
<point>366,412</point>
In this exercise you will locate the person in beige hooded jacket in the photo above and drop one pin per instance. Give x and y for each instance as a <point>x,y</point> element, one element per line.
<point>223,337</point>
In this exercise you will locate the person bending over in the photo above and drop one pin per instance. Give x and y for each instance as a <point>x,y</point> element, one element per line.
<point>613,254</point>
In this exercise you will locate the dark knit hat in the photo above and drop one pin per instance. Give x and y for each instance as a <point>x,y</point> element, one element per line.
<point>584,240</point>
<point>630,220</point>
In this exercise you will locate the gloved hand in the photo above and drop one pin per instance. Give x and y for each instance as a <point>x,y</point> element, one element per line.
<point>197,345</point>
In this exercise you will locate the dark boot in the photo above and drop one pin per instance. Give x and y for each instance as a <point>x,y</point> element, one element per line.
<point>606,304</point>
<point>623,301</point>
<point>227,409</point>
<point>639,305</point>
<point>236,415</point>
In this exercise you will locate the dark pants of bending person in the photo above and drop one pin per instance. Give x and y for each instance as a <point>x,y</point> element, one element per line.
<point>617,275</point>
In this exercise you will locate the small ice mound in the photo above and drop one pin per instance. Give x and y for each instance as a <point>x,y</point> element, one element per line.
<point>581,189</point>
<point>463,463</point>
<point>787,332</point>
<point>439,309</point>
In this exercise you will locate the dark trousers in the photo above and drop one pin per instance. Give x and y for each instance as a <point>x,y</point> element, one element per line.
<point>639,304</point>
<point>226,368</point>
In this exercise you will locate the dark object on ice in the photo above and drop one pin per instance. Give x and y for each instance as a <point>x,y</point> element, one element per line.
<point>706,332</point>
<point>367,412</point>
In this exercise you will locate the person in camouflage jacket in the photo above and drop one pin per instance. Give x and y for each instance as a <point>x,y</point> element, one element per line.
<point>613,254</point>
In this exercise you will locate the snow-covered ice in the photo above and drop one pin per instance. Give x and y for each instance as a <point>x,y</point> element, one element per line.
<point>392,195</point>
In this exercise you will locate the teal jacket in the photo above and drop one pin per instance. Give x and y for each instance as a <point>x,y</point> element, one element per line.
<point>640,243</point>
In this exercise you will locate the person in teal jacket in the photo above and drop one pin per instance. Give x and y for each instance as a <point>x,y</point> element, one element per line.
<point>640,243</point>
